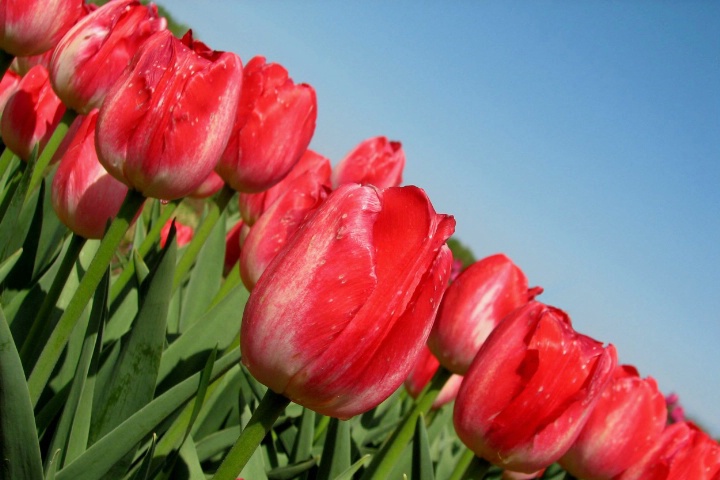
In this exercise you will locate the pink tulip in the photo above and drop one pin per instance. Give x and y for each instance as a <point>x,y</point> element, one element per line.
<point>31,114</point>
<point>338,318</point>
<point>426,365</point>
<point>278,224</point>
<point>183,233</point>
<point>90,58</point>
<point>682,452</point>
<point>375,161</point>
<point>84,196</point>
<point>530,389</point>
<point>31,27</point>
<point>273,128</point>
<point>252,205</point>
<point>482,295</point>
<point>166,121</point>
<point>626,421</point>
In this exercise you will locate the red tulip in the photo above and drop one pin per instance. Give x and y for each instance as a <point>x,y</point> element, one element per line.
<point>274,125</point>
<point>482,295</point>
<point>375,161</point>
<point>8,86</point>
<point>30,27</point>
<point>232,247</point>
<point>423,371</point>
<point>342,312</point>
<point>682,452</point>
<point>183,233</point>
<point>166,121</point>
<point>84,196</point>
<point>252,205</point>
<point>278,224</point>
<point>530,389</point>
<point>209,187</point>
<point>31,113</point>
<point>626,421</point>
<point>90,58</point>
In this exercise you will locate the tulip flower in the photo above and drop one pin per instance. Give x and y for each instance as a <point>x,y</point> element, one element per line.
<point>342,312</point>
<point>277,225</point>
<point>183,233</point>
<point>209,187</point>
<point>274,125</point>
<point>22,65</point>
<point>375,161</point>
<point>482,295</point>
<point>89,59</point>
<point>425,367</point>
<point>683,451</point>
<point>84,196</point>
<point>530,389</point>
<point>31,113</point>
<point>165,122</point>
<point>252,205</point>
<point>31,27</point>
<point>625,423</point>
<point>8,86</point>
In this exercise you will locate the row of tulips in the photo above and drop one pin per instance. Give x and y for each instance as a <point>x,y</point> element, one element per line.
<point>353,287</point>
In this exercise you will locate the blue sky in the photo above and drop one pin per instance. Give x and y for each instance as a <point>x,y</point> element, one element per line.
<point>581,139</point>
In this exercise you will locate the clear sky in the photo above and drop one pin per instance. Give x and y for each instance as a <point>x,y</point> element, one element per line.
<point>580,138</point>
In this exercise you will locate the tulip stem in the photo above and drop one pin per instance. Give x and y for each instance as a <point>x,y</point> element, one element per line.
<point>384,460</point>
<point>5,159</point>
<point>93,275</point>
<point>50,148</point>
<point>41,322</point>
<point>462,464</point>
<point>201,234</point>
<point>147,243</point>
<point>270,408</point>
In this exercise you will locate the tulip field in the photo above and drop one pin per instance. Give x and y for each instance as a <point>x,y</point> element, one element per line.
<point>187,291</point>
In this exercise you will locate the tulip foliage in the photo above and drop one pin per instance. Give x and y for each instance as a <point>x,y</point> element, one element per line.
<point>188,292</point>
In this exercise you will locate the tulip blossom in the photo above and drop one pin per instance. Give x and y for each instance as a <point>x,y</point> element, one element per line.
<point>31,27</point>
<point>84,196</point>
<point>425,367</point>
<point>252,205</point>
<point>530,389</point>
<point>626,421</point>
<point>209,187</point>
<point>8,86</point>
<point>165,122</point>
<point>375,161</point>
<point>277,225</point>
<point>683,451</point>
<point>482,295</point>
<point>342,312</point>
<point>31,114</point>
<point>275,122</point>
<point>89,59</point>
<point>183,233</point>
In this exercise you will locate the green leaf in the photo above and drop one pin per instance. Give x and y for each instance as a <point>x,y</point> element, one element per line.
<point>12,232</point>
<point>101,456</point>
<point>302,448</point>
<point>422,466</point>
<point>217,442</point>
<point>52,466</point>
<point>336,455</point>
<point>350,472</point>
<point>18,436</point>
<point>143,473</point>
<point>9,263</point>
<point>291,471</point>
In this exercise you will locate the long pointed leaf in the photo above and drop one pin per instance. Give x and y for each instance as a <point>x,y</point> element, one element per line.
<point>422,466</point>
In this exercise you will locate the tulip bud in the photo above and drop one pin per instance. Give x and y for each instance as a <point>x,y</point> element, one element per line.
<point>84,196</point>
<point>626,421</point>
<point>340,315</point>
<point>426,365</point>
<point>252,205</point>
<point>683,451</point>
<point>530,389</point>
<point>209,187</point>
<point>275,122</point>
<point>31,27</point>
<point>481,296</point>
<point>183,233</point>
<point>90,58</point>
<point>375,161</point>
<point>31,114</point>
<point>8,86</point>
<point>165,122</point>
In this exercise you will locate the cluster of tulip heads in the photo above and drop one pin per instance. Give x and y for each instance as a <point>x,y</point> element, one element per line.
<point>350,274</point>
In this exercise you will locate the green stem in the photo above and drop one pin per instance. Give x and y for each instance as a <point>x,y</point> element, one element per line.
<point>270,408</point>
<point>50,148</point>
<point>56,343</point>
<point>5,61</point>
<point>33,339</point>
<point>383,461</point>
<point>5,160</point>
<point>201,235</point>
<point>147,243</point>
<point>462,465</point>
